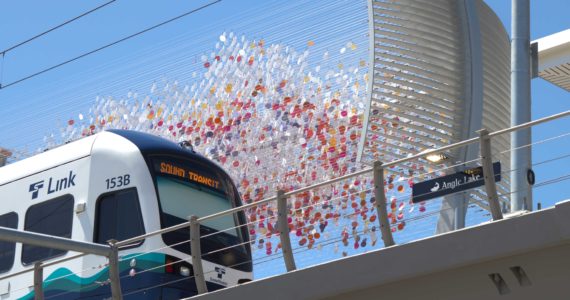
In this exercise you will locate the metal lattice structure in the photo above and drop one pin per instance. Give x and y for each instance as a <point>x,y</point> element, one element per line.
<point>439,72</point>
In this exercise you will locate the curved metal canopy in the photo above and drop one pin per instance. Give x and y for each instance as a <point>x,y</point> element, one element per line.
<point>440,71</point>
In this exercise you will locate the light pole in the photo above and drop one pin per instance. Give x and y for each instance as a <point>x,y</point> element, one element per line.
<point>521,160</point>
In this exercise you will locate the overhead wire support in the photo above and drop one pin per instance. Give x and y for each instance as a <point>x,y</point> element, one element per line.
<point>109,45</point>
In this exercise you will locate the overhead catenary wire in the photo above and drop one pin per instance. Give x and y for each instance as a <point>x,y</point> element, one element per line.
<point>137,88</point>
<point>175,45</point>
<point>3,52</point>
<point>52,107</point>
<point>55,27</point>
<point>108,45</point>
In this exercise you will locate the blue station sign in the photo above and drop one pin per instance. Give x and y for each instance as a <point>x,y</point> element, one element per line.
<point>460,181</point>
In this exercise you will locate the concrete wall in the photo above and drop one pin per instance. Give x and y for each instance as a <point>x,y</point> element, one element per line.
<point>547,270</point>
<point>455,265</point>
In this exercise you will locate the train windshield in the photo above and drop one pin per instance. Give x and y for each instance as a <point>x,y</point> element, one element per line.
<point>180,199</point>
<point>186,189</point>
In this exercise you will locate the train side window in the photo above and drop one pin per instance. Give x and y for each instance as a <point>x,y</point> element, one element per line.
<point>118,216</point>
<point>7,249</point>
<point>52,217</point>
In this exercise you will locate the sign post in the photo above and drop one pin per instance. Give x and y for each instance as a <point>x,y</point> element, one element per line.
<point>490,186</point>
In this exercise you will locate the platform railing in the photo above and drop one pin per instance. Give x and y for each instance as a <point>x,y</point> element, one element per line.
<point>484,140</point>
<point>194,223</point>
<point>43,240</point>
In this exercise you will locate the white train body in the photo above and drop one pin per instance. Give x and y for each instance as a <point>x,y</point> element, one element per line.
<point>93,185</point>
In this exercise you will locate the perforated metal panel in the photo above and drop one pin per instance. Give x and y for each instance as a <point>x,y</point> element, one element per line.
<point>439,72</point>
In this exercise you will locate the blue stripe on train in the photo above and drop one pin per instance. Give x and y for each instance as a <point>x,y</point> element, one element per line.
<point>149,282</point>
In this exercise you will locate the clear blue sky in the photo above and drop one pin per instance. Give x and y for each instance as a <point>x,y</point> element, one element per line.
<point>547,17</point>
<point>34,108</point>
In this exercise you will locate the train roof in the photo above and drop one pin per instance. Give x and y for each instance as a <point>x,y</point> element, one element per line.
<point>47,160</point>
<point>149,144</point>
<point>146,143</point>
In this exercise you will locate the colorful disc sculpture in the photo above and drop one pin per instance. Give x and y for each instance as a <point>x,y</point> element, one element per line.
<point>274,122</point>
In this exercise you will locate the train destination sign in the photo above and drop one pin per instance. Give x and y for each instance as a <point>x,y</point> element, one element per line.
<point>170,169</point>
<point>460,181</point>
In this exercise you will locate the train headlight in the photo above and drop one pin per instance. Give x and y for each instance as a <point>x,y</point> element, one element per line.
<point>184,271</point>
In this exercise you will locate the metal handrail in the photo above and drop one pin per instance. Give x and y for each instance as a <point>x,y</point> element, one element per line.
<point>530,124</point>
<point>150,234</point>
<point>111,251</point>
<point>390,164</point>
<point>31,267</point>
<point>357,173</point>
<point>56,242</point>
<point>291,193</point>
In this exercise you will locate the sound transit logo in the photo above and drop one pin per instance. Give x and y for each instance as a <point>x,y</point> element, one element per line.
<point>53,185</point>
<point>35,188</point>
<point>221,272</point>
<point>219,280</point>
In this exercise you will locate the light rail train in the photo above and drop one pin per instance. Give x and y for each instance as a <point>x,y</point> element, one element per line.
<point>120,184</point>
